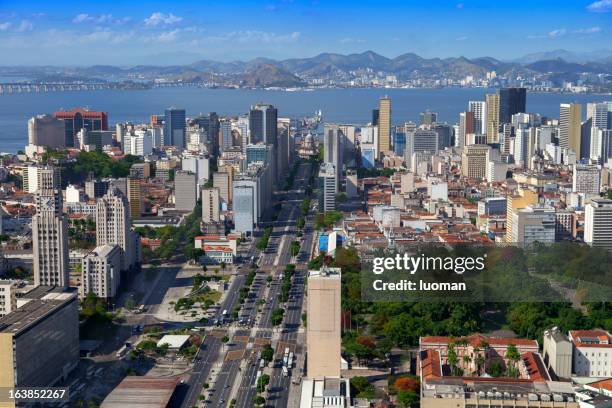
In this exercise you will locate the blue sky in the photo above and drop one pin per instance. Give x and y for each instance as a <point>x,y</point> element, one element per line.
<point>163,32</point>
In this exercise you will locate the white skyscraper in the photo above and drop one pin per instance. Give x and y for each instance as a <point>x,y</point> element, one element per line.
<point>480,116</point>
<point>113,225</point>
<point>598,223</point>
<point>586,179</point>
<point>50,239</point>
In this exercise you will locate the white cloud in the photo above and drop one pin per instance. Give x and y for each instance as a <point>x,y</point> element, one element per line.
<point>5,26</point>
<point>106,36</point>
<point>602,6</point>
<point>557,33</point>
<point>590,30</point>
<point>161,19</point>
<point>462,38</point>
<point>253,36</point>
<point>352,41</point>
<point>168,36</point>
<point>25,25</point>
<point>101,19</point>
<point>80,18</point>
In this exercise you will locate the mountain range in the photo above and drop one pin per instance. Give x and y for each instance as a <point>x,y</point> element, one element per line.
<point>264,72</point>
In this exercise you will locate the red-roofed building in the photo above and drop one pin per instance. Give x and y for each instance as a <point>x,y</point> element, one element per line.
<point>217,248</point>
<point>592,353</point>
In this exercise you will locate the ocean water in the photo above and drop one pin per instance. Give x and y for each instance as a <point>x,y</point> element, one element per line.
<point>337,105</point>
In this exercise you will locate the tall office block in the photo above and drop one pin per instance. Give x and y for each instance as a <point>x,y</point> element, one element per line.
<point>333,149</point>
<point>586,179</point>
<point>134,196</point>
<point>534,224</point>
<point>185,190</point>
<point>466,127</point>
<point>78,119</point>
<point>479,109</point>
<point>324,324</point>
<point>223,181</point>
<point>598,112</point>
<point>46,130</point>
<point>474,161</point>
<point>428,118</point>
<point>210,123</point>
<point>39,342</point>
<point>41,178</point>
<point>174,127</point>
<point>384,124</point>
<point>418,141</point>
<point>598,223</point>
<point>327,187</point>
<point>211,203</point>
<point>492,102</point>
<point>101,272</point>
<point>511,102</point>
<point>50,240</point>
<point>263,124</point>
<point>523,199</point>
<point>569,127</point>
<point>244,206</point>
<point>113,225</point>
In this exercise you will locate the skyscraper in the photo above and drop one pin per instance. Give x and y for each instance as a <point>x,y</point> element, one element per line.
<point>598,223</point>
<point>134,196</point>
<point>492,130</point>
<point>466,127</point>
<point>479,108</point>
<point>511,102</point>
<point>50,239</point>
<point>384,124</point>
<point>210,205</point>
<point>327,187</point>
<point>174,127</point>
<point>324,324</point>
<point>45,130</point>
<point>474,161</point>
<point>332,150</point>
<point>428,118</point>
<point>569,127</point>
<point>113,225</point>
<point>184,190</point>
<point>263,124</point>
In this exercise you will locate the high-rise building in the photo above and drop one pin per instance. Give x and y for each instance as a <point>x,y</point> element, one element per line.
<point>420,140</point>
<point>78,119</point>
<point>211,203</point>
<point>598,112</point>
<point>199,165</point>
<point>40,177</point>
<point>332,150</point>
<point>210,123</point>
<point>466,126</point>
<point>375,117</point>
<point>428,118</point>
<point>479,109</point>
<point>327,187</point>
<point>260,152</point>
<point>384,124</point>
<point>474,161</point>
<point>569,127</point>
<point>39,342</point>
<point>223,181</point>
<point>534,224</point>
<point>50,239</point>
<point>174,127</point>
<point>46,130</point>
<point>324,325</point>
<point>598,223</point>
<point>134,196</point>
<point>586,179</point>
<point>226,133</point>
<point>492,130</point>
<point>511,102</point>
<point>263,124</point>
<point>96,188</point>
<point>245,206</point>
<point>523,199</point>
<point>8,296</point>
<point>113,225</point>
<point>101,272</point>
<point>185,190</point>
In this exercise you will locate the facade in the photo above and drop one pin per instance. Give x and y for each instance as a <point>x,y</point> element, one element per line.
<point>511,102</point>
<point>245,206</point>
<point>47,130</point>
<point>479,109</point>
<point>101,272</point>
<point>492,102</point>
<point>263,124</point>
<point>585,179</point>
<point>96,188</point>
<point>492,206</point>
<point>50,240</point>
<point>592,353</point>
<point>333,149</point>
<point>134,196</point>
<point>211,204</point>
<point>113,226</point>
<point>327,187</point>
<point>323,330</point>
<point>223,181</point>
<point>384,124</point>
<point>598,223</point>
<point>39,342</point>
<point>174,127</point>
<point>185,186</point>
<point>467,126</point>
<point>8,296</point>
<point>474,161</point>
<point>40,177</point>
<point>534,224</point>
<point>78,119</point>
<point>557,353</point>
<point>569,127</point>
<point>523,199</point>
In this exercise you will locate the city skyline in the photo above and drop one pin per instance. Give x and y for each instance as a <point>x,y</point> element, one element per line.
<point>160,34</point>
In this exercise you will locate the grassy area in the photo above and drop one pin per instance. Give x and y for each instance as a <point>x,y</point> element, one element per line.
<point>211,296</point>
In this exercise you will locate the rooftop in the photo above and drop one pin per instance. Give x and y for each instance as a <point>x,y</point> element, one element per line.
<point>141,392</point>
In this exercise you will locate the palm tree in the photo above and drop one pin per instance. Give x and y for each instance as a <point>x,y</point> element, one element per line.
<point>467,360</point>
<point>451,358</point>
<point>513,356</point>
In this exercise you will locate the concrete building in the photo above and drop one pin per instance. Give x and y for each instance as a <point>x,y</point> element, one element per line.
<point>96,188</point>
<point>327,187</point>
<point>101,272</point>
<point>333,149</point>
<point>492,206</point>
<point>134,196</point>
<point>263,124</point>
<point>592,353</point>
<point>245,206</point>
<point>198,165</point>
<point>185,196</point>
<point>174,127</point>
<point>534,224</point>
<point>492,130</point>
<point>384,124</point>
<point>598,223</point>
<point>352,185</point>
<point>40,177</point>
<point>141,170</point>
<point>138,144</point>
<point>479,109</point>
<point>78,119</point>
<point>569,127</point>
<point>143,391</point>
<point>8,296</point>
<point>50,240</point>
<point>211,204</point>
<point>74,194</point>
<point>474,161</point>
<point>113,226</point>
<point>39,342</point>
<point>557,353</point>
<point>586,180</point>
<point>466,126</point>
<point>323,330</point>
<point>223,181</point>
<point>325,393</point>
<point>46,130</point>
